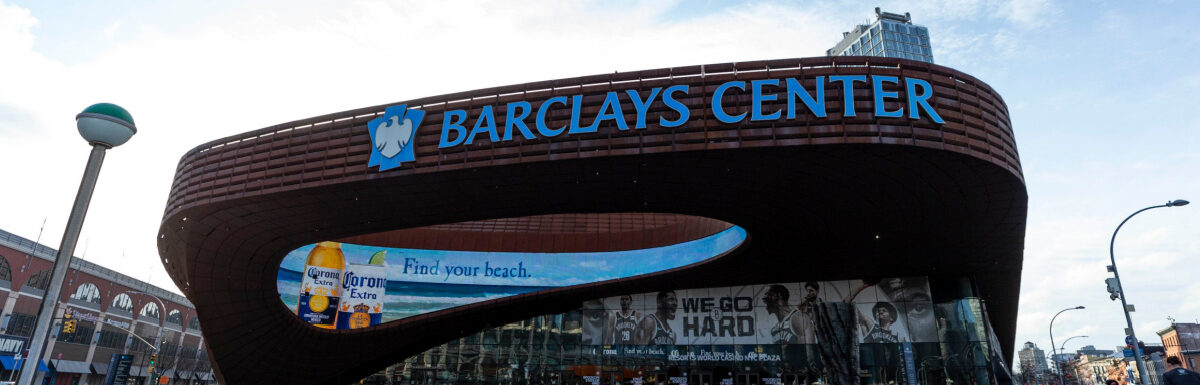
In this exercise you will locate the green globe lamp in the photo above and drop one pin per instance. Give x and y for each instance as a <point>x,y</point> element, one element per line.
<point>106,124</point>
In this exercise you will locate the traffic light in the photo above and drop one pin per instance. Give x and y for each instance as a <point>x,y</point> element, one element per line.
<point>69,326</point>
<point>1114,289</point>
<point>153,359</point>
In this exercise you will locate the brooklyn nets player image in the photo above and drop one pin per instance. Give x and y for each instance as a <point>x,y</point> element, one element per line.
<point>885,316</point>
<point>776,299</point>
<point>882,332</point>
<point>806,331</point>
<point>622,324</point>
<point>654,329</point>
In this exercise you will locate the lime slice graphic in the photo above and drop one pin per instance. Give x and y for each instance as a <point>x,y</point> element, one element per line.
<point>378,257</point>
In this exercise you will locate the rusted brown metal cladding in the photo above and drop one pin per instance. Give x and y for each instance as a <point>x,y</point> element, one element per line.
<point>821,198</point>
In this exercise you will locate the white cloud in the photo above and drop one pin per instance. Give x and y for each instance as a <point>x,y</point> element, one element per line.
<point>111,29</point>
<point>1029,14</point>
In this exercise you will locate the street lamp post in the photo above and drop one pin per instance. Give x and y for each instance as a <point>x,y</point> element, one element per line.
<point>162,323</point>
<point>1053,351</point>
<point>1063,348</point>
<point>104,126</point>
<point>1137,351</point>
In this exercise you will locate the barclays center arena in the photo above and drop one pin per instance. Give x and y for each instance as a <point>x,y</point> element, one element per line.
<point>833,220</point>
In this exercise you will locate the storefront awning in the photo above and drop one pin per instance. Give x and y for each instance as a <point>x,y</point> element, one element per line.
<point>100,369</point>
<point>68,366</point>
<point>204,376</point>
<point>11,364</point>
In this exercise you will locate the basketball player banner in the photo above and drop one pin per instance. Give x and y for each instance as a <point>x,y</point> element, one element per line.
<point>892,310</point>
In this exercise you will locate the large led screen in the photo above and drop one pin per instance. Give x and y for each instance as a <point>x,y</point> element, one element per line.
<point>893,310</point>
<point>349,286</point>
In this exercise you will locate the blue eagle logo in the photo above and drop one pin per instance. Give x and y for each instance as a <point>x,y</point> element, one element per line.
<point>392,135</point>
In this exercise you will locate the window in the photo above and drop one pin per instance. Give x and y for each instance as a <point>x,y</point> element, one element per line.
<point>39,280</point>
<point>110,339</point>
<point>167,349</point>
<point>5,271</point>
<point>150,310</point>
<point>194,323</point>
<point>175,317</point>
<point>87,293</point>
<point>123,302</point>
<point>82,335</point>
<point>21,324</point>
<point>188,352</point>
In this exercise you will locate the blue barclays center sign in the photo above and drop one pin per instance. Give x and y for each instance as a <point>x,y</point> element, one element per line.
<point>392,133</point>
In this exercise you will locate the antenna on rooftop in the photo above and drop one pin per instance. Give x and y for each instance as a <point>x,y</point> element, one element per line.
<point>39,238</point>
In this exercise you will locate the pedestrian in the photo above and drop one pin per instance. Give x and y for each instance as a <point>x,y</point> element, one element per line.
<point>1177,375</point>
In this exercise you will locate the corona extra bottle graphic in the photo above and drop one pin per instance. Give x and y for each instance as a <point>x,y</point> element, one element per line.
<point>321,288</point>
<point>363,292</point>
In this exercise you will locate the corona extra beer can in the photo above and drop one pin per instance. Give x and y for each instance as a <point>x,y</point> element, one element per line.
<point>321,288</point>
<point>363,288</point>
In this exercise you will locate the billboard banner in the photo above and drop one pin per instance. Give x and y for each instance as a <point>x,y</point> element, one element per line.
<point>348,286</point>
<point>892,310</point>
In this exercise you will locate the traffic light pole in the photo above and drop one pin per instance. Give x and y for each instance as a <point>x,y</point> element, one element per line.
<point>162,323</point>
<point>1137,351</point>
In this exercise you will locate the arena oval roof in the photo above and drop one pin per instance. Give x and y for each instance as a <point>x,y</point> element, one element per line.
<point>834,197</point>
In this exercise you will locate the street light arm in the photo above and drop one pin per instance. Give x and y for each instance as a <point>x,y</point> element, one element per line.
<point>1063,347</point>
<point>162,318</point>
<point>1053,350</point>
<point>1111,243</point>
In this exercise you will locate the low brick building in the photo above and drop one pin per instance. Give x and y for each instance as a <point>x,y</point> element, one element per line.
<point>114,314</point>
<point>1182,339</point>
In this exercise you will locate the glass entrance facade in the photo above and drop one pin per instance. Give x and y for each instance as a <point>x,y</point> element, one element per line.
<point>746,345</point>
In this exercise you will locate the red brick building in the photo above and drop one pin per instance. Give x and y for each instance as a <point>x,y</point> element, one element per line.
<point>1182,340</point>
<point>108,307</point>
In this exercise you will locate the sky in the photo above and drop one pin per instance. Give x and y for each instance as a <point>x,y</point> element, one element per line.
<point>1101,96</point>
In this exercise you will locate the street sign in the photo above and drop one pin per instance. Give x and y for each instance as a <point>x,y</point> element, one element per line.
<point>118,369</point>
<point>164,380</point>
<point>1128,353</point>
<point>1129,340</point>
<point>11,345</point>
<point>910,369</point>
